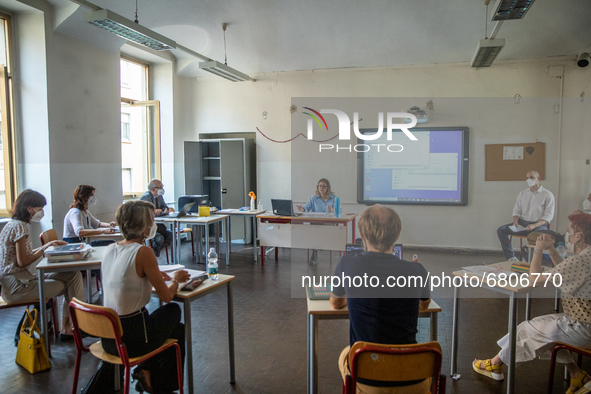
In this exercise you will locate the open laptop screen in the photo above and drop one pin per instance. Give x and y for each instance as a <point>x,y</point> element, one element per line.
<point>358,248</point>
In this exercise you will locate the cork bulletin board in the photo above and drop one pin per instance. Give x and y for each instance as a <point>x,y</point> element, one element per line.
<point>510,162</point>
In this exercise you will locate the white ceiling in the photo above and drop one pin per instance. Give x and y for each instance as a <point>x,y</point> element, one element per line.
<point>283,35</point>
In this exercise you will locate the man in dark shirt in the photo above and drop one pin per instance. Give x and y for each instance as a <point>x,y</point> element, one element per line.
<point>383,294</point>
<point>154,195</point>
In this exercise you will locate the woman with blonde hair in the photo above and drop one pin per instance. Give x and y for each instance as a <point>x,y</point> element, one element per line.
<point>130,271</point>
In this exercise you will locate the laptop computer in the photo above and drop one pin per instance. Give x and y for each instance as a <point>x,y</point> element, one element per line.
<point>283,208</point>
<point>181,213</point>
<point>358,248</point>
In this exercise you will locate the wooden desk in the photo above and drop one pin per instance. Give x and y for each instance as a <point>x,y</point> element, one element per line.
<point>193,220</point>
<point>305,232</point>
<point>321,310</point>
<point>105,237</point>
<point>512,292</point>
<point>237,212</point>
<point>186,297</point>
<point>93,262</point>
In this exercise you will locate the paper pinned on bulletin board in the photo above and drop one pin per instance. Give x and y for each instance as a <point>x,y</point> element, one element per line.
<point>512,152</point>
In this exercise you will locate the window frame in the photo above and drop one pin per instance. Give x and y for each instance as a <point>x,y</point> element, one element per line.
<point>8,121</point>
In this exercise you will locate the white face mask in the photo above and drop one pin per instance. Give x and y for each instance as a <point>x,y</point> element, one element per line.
<point>161,191</point>
<point>152,231</point>
<point>91,201</point>
<point>38,216</point>
<point>569,245</point>
<point>531,182</point>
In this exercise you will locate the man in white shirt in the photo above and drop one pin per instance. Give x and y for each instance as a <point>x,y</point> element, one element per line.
<point>533,210</point>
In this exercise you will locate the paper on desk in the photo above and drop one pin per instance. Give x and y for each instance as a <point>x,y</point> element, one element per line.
<point>226,210</point>
<point>194,275</point>
<point>170,267</point>
<point>486,269</point>
<point>517,229</point>
<point>315,214</point>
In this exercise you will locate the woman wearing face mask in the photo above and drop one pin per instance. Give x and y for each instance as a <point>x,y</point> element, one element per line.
<point>130,271</point>
<point>16,254</point>
<point>79,222</point>
<point>322,201</point>
<point>537,337</point>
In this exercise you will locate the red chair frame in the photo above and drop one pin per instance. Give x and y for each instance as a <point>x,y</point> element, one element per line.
<point>559,346</point>
<point>122,350</point>
<point>438,385</point>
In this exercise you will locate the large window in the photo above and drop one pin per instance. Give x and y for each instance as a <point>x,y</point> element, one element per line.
<point>7,148</point>
<point>140,130</point>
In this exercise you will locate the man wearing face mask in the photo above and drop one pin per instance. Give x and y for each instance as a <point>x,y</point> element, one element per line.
<point>533,210</point>
<point>155,195</point>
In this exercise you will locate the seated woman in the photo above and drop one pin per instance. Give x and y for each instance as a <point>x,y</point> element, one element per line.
<point>79,222</point>
<point>322,201</point>
<point>536,337</point>
<point>17,253</point>
<point>130,270</point>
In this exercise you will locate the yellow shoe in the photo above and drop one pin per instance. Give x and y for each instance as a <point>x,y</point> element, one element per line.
<point>578,383</point>
<point>492,371</point>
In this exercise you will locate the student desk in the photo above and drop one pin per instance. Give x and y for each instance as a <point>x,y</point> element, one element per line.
<point>193,220</point>
<point>237,212</point>
<point>512,292</point>
<point>320,310</point>
<point>305,232</point>
<point>93,262</point>
<point>186,297</point>
<point>105,237</point>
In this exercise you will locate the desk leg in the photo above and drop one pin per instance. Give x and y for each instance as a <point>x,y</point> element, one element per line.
<point>177,226</point>
<point>217,237</point>
<point>454,336</point>
<point>556,300</point>
<point>528,306</point>
<point>173,246</point>
<point>206,242</point>
<point>228,241</point>
<point>512,340</point>
<point>43,310</point>
<point>229,232</point>
<point>88,286</point>
<point>188,344</point>
<point>433,326</point>
<point>262,255</point>
<point>231,334</point>
<point>254,237</point>
<point>312,354</point>
<point>530,251</point>
<point>353,233</point>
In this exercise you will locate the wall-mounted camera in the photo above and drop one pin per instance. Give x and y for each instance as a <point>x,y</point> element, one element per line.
<point>583,59</point>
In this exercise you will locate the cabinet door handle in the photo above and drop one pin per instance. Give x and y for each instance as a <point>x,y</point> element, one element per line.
<point>224,190</point>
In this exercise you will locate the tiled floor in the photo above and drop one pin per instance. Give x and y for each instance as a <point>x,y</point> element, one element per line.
<point>270,334</point>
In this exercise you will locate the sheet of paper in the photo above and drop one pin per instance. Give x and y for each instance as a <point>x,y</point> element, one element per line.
<point>170,267</point>
<point>486,269</point>
<point>512,152</point>
<point>517,229</point>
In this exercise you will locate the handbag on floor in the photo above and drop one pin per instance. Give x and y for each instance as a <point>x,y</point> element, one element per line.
<point>31,354</point>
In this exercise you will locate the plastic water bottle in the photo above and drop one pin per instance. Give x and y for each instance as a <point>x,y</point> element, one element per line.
<point>561,250</point>
<point>212,264</point>
<point>415,258</point>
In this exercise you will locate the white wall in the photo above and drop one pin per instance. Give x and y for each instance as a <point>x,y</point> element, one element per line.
<point>224,106</point>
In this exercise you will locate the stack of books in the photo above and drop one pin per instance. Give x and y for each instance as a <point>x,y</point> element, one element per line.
<point>70,252</point>
<point>520,267</point>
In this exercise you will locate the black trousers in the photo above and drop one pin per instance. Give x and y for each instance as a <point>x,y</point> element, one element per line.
<point>162,238</point>
<point>162,324</point>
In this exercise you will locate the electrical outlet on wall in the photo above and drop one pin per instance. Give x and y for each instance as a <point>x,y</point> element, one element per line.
<point>587,161</point>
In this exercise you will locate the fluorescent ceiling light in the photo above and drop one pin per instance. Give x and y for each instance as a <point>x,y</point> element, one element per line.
<point>223,71</point>
<point>487,52</point>
<point>128,29</point>
<point>505,10</point>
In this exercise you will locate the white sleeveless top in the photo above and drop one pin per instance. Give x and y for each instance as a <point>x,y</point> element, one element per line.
<point>124,291</point>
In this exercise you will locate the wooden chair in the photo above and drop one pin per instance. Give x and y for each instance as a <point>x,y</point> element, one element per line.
<point>559,346</point>
<point>48,236</point>
<point>395,363</point>
<point>102,322</point>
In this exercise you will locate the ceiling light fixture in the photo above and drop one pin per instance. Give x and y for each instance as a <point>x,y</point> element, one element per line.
<point>129,30</point>
<point>505,10</point>
<point>486,52</point>
<point>223,70</point>
<point>488,49</point>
